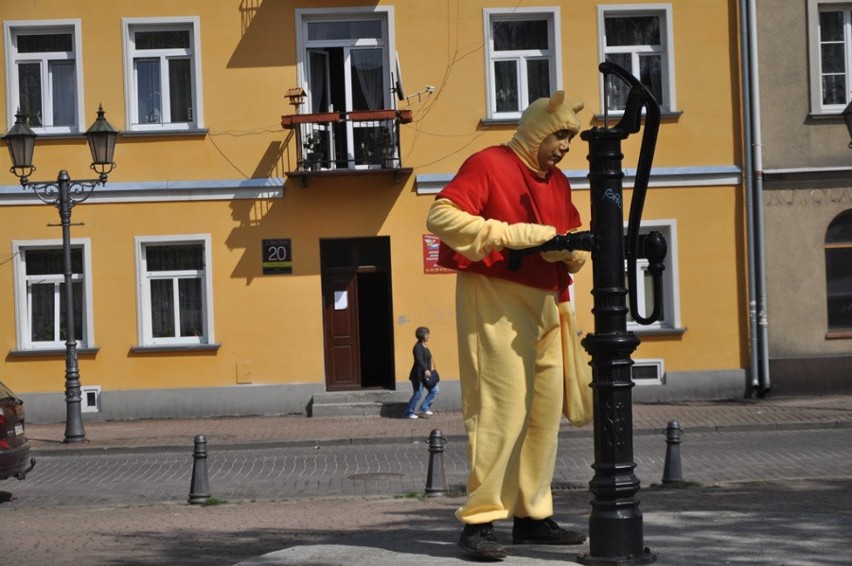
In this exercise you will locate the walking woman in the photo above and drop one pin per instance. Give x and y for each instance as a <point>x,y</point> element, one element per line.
<point>421,369</point>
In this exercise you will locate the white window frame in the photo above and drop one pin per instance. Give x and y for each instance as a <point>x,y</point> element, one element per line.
<point>553,55</point>
<point>814,53</point>
<point>666,49</point>
<point>22,295</point>
<point>671,289</point>
<point>11,29</point>
<point>306,16</point>
<point>144,326</point>
<point>132,25</point>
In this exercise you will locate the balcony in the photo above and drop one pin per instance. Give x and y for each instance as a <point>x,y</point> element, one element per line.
<point>362,142</point>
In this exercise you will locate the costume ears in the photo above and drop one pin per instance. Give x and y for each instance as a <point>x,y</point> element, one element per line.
<point>558,99</point>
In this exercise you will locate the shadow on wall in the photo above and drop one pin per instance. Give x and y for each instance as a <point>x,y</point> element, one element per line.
<point>336,207</point>
<point>263,44</point>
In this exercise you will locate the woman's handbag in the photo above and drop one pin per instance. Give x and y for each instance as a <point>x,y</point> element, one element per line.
<point>430,381</point>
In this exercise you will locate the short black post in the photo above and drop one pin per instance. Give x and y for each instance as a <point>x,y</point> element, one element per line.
<point>199,489</point>
<point>672,472</point>
<point>436,482</point>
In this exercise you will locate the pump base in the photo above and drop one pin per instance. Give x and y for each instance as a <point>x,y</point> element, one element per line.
<point>645,558</point>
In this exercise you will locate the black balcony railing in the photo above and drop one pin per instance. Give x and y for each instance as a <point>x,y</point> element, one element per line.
<point>340,143</point>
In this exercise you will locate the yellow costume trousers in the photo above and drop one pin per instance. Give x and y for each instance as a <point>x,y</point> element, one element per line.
<point>510,357</point>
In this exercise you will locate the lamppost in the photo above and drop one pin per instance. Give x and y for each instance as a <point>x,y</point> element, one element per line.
<point>64,194</point>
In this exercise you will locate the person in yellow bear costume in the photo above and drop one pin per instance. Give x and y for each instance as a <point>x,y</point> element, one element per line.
<point>519,359</point>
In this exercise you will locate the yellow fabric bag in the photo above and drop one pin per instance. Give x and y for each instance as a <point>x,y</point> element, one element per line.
<point>578,398</point>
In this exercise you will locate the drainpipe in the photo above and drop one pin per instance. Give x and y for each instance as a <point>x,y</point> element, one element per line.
<point>745,49</point>
<point>764,385</point>
<point>753,162</point>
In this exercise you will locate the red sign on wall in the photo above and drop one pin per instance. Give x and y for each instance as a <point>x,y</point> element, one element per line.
<point>430,255</point>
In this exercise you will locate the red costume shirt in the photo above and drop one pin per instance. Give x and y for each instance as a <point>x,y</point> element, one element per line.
<point>495,184</point>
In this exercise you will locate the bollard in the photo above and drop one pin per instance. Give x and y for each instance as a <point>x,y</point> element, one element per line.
<point>436,482</point>
<point>672,473</point>
<point>199,489</point>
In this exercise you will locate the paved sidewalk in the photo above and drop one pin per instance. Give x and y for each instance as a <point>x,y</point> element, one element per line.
<point>790,522</point>
<point>775,413</point>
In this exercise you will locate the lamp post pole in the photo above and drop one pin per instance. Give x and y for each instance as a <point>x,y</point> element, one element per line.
<point>74,431</point>
<point>64,194</point>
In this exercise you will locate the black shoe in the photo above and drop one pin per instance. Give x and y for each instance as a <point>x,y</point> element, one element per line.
<point>478,541</point>
<point>543,531</point>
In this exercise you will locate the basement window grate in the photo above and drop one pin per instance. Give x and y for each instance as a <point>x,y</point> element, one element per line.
<point>648,372</point>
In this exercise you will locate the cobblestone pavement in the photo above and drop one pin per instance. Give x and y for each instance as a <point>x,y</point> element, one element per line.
<point>160,434</point>
<point>396,469</point>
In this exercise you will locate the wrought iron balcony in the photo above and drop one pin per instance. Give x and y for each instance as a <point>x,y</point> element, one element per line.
<point>363,142</point>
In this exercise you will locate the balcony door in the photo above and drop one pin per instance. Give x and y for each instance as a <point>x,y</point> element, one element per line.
<point>347,68</point>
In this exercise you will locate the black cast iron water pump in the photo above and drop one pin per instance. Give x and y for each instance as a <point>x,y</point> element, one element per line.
<point>615,523</point>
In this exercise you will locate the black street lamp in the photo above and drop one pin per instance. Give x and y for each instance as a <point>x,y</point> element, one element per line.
<point>64,194</point>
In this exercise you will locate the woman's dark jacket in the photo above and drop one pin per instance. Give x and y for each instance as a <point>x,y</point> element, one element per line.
<point>422,362</point>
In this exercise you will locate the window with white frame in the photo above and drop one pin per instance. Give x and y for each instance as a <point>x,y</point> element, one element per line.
<point>43,74</point>
<point>637,37</point>
<point>175,290</point>
<point>522,58</point>
<point>162,68</point>
<point>40,294</point>
<point>830,37</point>
<point>670,309</point>
<point>347,56</point>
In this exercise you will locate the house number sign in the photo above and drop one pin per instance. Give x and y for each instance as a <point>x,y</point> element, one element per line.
<point>277,257</point>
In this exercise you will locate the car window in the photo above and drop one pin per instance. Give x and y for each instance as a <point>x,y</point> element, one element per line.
<point>5,392</point>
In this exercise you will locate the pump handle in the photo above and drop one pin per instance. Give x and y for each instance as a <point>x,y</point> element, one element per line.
<point>638,98</point>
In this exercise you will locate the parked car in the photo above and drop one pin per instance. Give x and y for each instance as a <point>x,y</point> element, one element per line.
<point>14,447</point>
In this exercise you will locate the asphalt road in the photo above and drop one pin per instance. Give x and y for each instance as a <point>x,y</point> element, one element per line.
<point>278,472</point>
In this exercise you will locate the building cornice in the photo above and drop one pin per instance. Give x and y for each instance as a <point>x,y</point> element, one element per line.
<point>162,191</point>
<point>701,176</point>
<point>807,178</point>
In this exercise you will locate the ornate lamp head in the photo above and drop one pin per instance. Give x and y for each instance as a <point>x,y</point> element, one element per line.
<point>20,140</point>
<point>102,137</point>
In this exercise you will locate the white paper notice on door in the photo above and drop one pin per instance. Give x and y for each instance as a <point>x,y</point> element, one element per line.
<point>341,300</point>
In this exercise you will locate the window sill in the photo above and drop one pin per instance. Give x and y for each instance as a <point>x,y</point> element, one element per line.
<point>60,135</point>
<point>51,352</point>
<point>164,133</point>
<point>174,348</point>
<point>838,334</point>
<point>825,117</point>
<point>645,331</point>
<point>499,121</point>
<point>616,116</point>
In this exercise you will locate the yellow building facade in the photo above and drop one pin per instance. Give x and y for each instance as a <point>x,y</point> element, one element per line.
<point>229,266</point>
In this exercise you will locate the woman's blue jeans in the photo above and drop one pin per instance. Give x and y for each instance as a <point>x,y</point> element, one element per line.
<point>415,398</point>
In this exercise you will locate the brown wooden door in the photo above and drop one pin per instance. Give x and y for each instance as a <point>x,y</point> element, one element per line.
<point>343,360</point>
<point>357,313</point>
